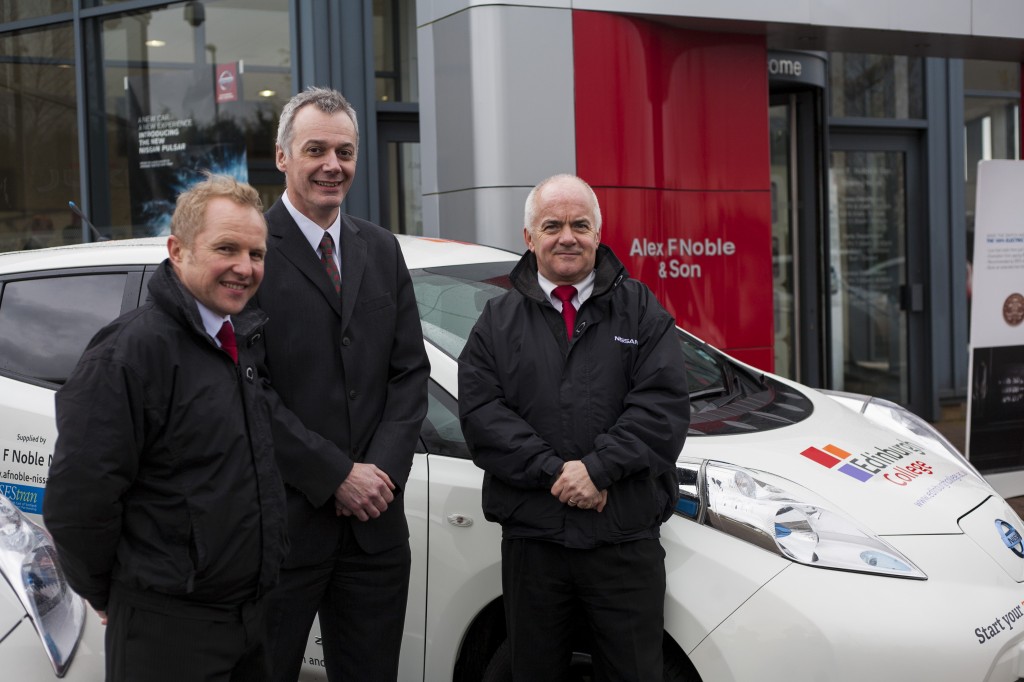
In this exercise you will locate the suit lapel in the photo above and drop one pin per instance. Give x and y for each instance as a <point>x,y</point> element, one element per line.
<point>353,264</point>
<point>292,245</point>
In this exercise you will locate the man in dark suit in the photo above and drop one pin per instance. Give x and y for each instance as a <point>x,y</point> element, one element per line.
<point>345,357</point>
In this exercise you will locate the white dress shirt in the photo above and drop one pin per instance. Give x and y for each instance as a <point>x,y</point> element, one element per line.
<point>313,232</point>
<point>584,288</point>
<point>212,322</point>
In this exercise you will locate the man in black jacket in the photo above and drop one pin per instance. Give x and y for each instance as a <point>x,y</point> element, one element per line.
<point>164,499</point>
<point>573,399</point>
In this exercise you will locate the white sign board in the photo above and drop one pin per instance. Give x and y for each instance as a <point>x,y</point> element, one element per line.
<point>995,414</point>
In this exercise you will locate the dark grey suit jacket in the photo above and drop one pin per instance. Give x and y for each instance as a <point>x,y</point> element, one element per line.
<point>349,377</point>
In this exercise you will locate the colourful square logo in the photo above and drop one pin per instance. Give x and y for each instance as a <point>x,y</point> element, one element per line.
<point>831,456</point>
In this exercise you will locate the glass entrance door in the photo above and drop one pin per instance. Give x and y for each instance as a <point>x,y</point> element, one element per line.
<point>876,282</point>
<point>798,229</point>
<point>785,295</point>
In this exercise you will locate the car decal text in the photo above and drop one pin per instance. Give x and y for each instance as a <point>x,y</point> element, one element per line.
<point>888,461</point>
<point>1000,625</point>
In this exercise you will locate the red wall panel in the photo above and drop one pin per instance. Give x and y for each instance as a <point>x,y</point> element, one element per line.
<point>663,107</point>
<point>672,133</point>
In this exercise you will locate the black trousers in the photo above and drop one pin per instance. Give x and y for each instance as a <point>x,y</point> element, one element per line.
<point>619,590</point>
<point>361,600</point>
<point>156,638</point>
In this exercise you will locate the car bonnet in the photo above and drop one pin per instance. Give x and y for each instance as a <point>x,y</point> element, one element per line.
<point>889,482</point>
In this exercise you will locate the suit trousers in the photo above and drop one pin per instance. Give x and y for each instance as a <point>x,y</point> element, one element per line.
<point>554,594</point>
<point>361,600</point>
<point>157,638</point>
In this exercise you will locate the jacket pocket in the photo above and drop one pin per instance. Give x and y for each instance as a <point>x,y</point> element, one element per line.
<point>635,505</point>
<point>376,303</point>
<point>533,512</point>
<point>196,543</point>
<point>157,549</point>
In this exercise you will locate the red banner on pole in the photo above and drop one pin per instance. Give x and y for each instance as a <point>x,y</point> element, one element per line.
<point>227,83</point>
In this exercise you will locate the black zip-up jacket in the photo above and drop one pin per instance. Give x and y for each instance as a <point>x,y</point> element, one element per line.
<point>163,475</point>
<point>615,398</point>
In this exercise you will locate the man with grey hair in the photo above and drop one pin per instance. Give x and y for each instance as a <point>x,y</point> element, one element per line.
<point>345,357</point>
<point>573,400</point>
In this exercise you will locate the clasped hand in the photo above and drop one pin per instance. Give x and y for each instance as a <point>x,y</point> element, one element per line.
<point>365,493</point>
<point>574,488</point>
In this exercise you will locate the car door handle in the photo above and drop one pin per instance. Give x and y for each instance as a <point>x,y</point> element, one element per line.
<point>460,520</point>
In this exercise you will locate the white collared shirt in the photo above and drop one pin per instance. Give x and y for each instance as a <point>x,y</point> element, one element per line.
<point>584,288</point>
<point>212,322</point>
<point>313,232</point>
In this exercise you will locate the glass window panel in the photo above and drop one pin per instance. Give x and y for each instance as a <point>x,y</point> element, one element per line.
<point>384,43</point>
<point>45,324</point>
<point>13,10</point>
<point>781,125</point>
<point>991,131</point>
<point>394,50</point>
<point>191,87</point>
<point>441,431</point>
<point>405,204</point>
<point>451,298</point>
<point>38,139</point>
<point>868,235</point>
<point>991,76</point>
<point>876,86</point>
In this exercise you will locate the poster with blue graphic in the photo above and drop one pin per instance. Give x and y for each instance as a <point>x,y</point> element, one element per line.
<point>180,127</point>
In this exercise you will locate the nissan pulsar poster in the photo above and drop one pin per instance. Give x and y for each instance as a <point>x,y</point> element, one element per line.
<point>181,124</point>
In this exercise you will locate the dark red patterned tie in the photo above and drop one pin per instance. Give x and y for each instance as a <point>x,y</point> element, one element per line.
<point>327,258</point>
<point>565,294</point>
<point>226,336</point>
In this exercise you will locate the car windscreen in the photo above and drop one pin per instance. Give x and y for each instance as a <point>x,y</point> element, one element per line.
<point>451,298</point>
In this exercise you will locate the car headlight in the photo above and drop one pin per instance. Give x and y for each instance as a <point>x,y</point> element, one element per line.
<point>785,518</point>
<point>28,561</point>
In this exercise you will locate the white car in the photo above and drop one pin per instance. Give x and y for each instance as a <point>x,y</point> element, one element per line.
<point>818,536</point>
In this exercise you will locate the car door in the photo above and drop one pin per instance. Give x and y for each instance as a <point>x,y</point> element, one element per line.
<point>464,557</point>
<point>46,320</point>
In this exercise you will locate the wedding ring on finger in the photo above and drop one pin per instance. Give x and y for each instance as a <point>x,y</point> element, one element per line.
<point>572,502</point>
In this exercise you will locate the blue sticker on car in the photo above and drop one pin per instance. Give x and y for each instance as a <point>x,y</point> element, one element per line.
<point>28,499</point>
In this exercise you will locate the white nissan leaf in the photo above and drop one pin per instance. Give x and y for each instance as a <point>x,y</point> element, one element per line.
<point>818,536</point>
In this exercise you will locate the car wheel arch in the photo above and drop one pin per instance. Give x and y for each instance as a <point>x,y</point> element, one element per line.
<point>483,637</point>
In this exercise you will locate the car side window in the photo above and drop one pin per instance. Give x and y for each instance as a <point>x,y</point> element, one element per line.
<point>46,323</point>
<point>441,432</point>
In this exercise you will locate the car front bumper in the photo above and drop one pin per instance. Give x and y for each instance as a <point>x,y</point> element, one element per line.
<point>814,624</point>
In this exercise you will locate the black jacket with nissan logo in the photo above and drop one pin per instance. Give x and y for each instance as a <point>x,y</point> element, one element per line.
<point>614,397</point>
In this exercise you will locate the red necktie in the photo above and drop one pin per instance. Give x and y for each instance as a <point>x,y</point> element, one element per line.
<point>327,258</point>
<point>565,293</point>
<point>226,336</point>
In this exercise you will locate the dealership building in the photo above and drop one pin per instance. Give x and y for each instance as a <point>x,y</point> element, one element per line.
<point>796,181</point>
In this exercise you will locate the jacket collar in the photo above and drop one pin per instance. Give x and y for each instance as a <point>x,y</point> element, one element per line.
<point>609,269</point>
<point>288,239</point>
<point>167,291</point>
